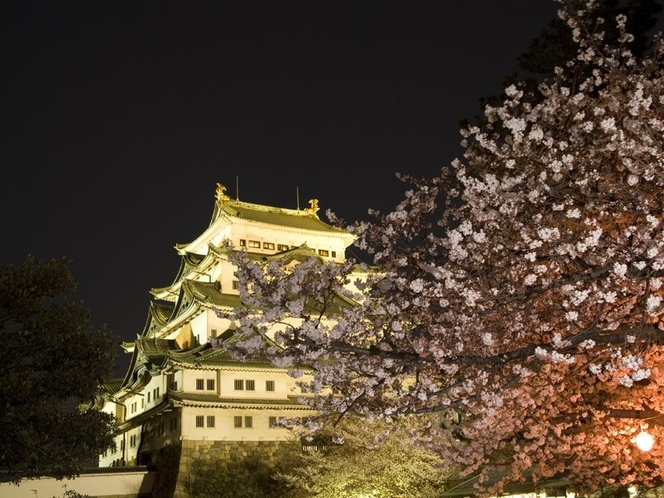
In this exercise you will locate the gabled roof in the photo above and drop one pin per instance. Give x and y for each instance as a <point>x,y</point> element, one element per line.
<point>305,219</point>
<point>188,263</point>
<point>210,293</point>
<point>148,355</point>
<point>208,357</point>
<point>151,356</point>
<point>159,314</point>
<point>300,253</point>
<point>161,311</point>
<point>111,386</point>
<point>154,350</point>
<point>229,211</point>
<point>193,293</point>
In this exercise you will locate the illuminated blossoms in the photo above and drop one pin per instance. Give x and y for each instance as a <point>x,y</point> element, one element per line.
<point>519,293</point>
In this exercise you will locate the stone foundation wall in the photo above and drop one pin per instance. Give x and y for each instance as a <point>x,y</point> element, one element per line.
<point>227,469</point>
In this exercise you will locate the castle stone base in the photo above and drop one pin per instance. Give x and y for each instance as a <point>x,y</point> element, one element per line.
<point>217,469</point>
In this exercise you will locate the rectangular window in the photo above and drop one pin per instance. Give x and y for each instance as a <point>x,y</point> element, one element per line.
<point>323,252</point>
<point>255,244</point>
<point>250,385</point>
<point>236,285</point>
<point>199,384</point>
<point>282,247</point>
<point>273,422</point>
<point>237,422</point>
<point>133,408</point>
<point>149,396</point>
<point>173,424</point>
<point>210,421</point>
<point>248,422</point>
<point>243,243</point>
<point>268,245</point>
<point>269,385</point>
<point>142,403</point>
<point>239,385</point>
<point>334,254</point>
<point>200,419</point>
<point>210,384</point>
<point>213,333</point>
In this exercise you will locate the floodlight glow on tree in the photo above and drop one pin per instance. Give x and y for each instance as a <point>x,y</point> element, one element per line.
<point>522,289</point>
<point>644,441</point>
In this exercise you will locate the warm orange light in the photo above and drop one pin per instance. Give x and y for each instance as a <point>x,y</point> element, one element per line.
<point>644,441</point>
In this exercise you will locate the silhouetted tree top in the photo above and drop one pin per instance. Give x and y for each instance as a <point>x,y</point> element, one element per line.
<point>52,361</point>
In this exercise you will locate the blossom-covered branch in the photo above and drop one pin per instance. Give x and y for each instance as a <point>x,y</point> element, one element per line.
<point>520,290</point>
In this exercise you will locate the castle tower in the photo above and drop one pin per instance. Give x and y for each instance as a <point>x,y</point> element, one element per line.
<point>183,401</point>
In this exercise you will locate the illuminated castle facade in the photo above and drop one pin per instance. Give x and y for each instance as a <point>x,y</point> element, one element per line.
<point>182,397</point>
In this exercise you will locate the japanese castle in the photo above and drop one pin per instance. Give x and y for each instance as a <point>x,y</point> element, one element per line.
<point>183,402</point>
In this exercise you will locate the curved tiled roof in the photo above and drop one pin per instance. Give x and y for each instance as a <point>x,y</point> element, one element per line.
<point>161,311</point>
<point>210,293</point>
<point>148,353</point>
<point>208,357</point>
<point>189,262</point>
<point>295,218</point>
<point>111,386</point>
<point>196,399</point>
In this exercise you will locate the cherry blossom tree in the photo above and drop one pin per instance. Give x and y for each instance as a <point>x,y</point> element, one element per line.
<point>351,464</point>
<point>517,297</point>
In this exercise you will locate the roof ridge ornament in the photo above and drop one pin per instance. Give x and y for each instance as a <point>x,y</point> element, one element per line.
<point>220,193</point>
<point>313,207</point>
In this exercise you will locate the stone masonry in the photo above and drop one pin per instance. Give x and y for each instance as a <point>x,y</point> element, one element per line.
<point>221,469</point>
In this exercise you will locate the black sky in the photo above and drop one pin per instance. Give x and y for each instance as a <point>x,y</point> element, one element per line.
<point>119,117</point>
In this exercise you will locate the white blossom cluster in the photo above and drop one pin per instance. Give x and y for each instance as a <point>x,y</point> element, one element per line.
<point>521,288</point>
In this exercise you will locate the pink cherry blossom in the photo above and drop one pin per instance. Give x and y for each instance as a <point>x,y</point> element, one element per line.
<point>516,298</point>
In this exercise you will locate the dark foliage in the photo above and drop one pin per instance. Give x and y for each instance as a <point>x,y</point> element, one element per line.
<point>51,364</point>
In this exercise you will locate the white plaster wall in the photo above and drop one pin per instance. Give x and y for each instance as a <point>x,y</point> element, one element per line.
<point>189,380</point>
<point>199,327</point>
<point>290,237</point>
<point>140,401</point>
<point>178,378</point>
<point>284,385</point>
<point>131,451</point>
<point>120,484</point>
<point>225,430</point>
<point>158,381</point>
<point>216,323</point>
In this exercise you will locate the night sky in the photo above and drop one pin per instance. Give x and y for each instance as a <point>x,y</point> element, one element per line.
<point>119,117</point>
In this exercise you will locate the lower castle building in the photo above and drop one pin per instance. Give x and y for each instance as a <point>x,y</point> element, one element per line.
<point>188,408</point>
